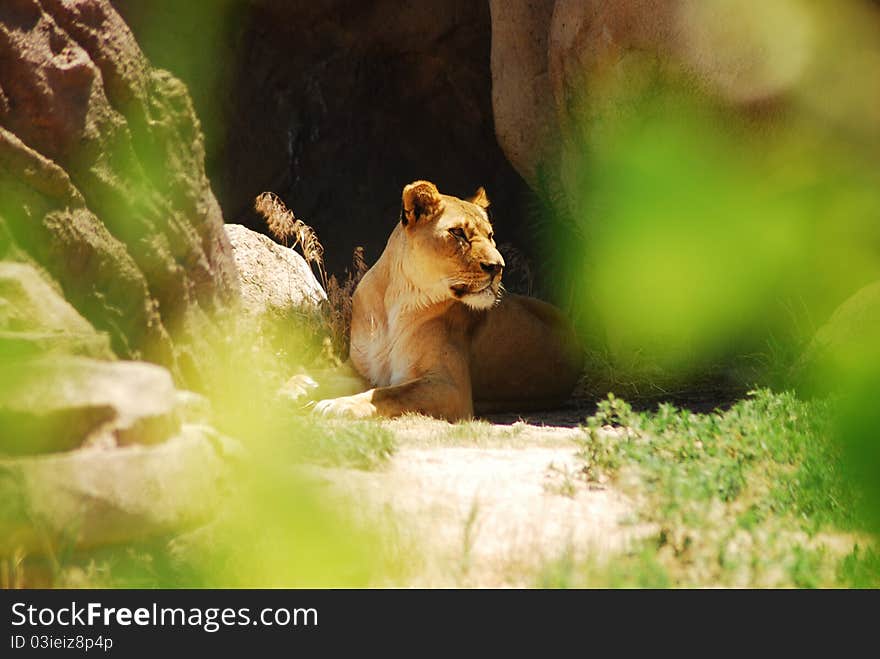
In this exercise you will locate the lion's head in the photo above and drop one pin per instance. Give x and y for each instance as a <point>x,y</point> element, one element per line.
<point>450,247</point>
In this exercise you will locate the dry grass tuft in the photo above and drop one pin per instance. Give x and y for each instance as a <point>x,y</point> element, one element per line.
<point>339,297</point>
<point>284,226</point>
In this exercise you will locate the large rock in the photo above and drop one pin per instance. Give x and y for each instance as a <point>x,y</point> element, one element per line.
<point>525,116</point>
<point>546,54</point>
<point>96,496</point>
<point>274,278</point>
<point>551,59</point>
<point>742,57</point>
<point>102,179</point>
<point>59,403</point>
<point>50,224</point>
<point>35,319</point>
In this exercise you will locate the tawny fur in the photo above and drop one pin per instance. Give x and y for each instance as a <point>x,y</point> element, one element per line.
<point>431,331</point>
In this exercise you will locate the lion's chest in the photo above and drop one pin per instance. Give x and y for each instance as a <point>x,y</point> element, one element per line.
<point>390,351</point>
<point>374,354</point>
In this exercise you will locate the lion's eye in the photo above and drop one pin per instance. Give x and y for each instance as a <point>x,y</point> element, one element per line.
<point>458,232</point>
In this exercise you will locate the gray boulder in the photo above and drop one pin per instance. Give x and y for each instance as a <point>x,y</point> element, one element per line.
<point>274,278</point>
<point>52,404</point>
<point>522,96</point>
<point>95,496</point>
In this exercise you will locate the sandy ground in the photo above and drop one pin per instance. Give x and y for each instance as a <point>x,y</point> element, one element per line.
<point>485,504</point>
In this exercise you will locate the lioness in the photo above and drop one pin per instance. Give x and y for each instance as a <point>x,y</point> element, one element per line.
<point>431,331</point>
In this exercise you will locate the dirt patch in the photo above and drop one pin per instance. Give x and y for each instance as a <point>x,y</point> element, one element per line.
<point>495,513</point>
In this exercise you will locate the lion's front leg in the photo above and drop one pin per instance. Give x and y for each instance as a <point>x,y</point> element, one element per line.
<point>432,396</point>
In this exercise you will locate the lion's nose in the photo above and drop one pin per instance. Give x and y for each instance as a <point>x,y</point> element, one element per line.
<point>494,268</point>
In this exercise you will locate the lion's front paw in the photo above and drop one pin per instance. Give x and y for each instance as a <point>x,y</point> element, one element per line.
<point>352,407</point>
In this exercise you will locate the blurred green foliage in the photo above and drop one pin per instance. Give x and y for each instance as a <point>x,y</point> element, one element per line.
<point>278,527</point>
<point>713,207</point>
<point>702,239</point>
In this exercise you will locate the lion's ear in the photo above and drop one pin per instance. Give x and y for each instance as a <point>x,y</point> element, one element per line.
<point>421,199</point>
<point>480,198</point>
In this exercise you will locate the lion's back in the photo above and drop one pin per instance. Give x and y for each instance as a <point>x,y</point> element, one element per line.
<point>524,349</point>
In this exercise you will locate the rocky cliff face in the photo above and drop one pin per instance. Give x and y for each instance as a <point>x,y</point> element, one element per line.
<point>102,180</point>
<point>112,249</point>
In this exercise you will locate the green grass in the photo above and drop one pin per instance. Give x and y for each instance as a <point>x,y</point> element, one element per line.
<point>357,444</point>
<point>639,569</point>
<point>752,496</point>
<point>481,433</point>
